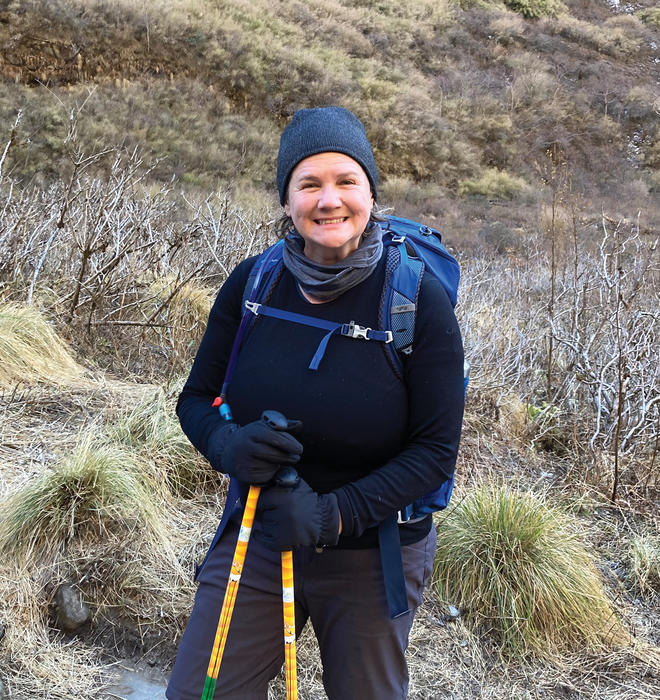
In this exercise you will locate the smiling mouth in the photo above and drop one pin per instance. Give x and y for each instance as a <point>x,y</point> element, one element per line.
<point>339,220</point>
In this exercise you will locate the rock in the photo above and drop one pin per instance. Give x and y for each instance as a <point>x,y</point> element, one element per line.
<point>71,609</point>
<point>136,685</point>
<point>453,613</point>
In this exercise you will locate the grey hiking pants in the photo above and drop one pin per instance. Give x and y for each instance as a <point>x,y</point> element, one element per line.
<point>341,591</point>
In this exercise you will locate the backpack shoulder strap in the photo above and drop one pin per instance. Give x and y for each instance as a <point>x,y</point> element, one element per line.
<point>261,280</point>
<point>398,309</point>
<point>264,273</point>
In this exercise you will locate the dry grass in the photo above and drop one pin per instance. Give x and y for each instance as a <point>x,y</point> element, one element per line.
<point>31,351</point>
<point>446,89</point>
<point>62,526</point>
<point>449,660</point>
<point>644,562</point>
<point>181,311</point>
<point>151,432</point>
<point>148,590</point>
<point>94,493</point>
<point>518,567</point>
<point>35,663</point>
<point>188,304</point>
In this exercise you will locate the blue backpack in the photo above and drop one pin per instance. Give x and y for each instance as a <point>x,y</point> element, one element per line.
<point>411,248</point>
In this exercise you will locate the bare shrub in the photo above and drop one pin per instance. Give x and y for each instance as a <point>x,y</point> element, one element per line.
<point>500,313</point>
<point>85,249</point>
<point>499,237</point>
<point>607,323</point>
<point>568,328</point>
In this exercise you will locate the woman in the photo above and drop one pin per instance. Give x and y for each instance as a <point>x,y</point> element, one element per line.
<point>370,441</point>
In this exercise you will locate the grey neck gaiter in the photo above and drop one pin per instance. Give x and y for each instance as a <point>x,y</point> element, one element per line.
<point>327,282</point>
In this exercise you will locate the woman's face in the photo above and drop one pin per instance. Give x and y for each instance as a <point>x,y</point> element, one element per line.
<point>329,200</point>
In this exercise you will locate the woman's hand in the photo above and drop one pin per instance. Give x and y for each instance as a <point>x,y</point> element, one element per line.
<point>253,453</point>
<point>296,517</point>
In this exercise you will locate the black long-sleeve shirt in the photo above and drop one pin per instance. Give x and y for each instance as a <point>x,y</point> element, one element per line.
<point>377,441</point>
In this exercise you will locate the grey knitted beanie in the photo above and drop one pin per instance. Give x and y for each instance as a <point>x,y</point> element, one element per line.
<point>319,130</point>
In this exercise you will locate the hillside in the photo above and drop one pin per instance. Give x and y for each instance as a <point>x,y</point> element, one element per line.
<point>463,102</point>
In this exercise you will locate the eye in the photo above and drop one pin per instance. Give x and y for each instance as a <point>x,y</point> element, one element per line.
<point>348,181</point>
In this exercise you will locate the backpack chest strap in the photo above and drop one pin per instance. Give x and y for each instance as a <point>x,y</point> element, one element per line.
<point>348,330</point>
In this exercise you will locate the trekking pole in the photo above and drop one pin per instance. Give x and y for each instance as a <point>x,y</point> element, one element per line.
<point>288,477</point>
<point>230,594</point>
<point>278,422</point>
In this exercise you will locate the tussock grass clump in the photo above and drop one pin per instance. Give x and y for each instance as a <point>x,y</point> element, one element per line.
<point>152,432</point>
<point>494,183</point>
<point>187,305</point>
<point>180,312</point>
<point>644,557</point>
<point>30,350</point>
<point>518,568</point>
<point>95,492</point>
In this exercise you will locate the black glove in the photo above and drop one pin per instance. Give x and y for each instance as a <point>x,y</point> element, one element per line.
<point>296,517</point>
<point>252,454</point>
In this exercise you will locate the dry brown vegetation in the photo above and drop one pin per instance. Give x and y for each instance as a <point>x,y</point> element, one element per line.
<point>451,93</point>
<point>137,170</point>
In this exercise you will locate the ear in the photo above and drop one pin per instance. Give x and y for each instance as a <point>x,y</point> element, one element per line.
<point>287,209</point>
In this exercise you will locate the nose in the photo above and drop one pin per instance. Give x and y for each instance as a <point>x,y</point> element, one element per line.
<point>329,197</point>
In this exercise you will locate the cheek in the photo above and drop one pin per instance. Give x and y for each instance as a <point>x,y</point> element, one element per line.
<point>296,207</point>
<point>366,204</point>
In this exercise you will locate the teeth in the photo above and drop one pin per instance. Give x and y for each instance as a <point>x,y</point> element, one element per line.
<point>331,221</point>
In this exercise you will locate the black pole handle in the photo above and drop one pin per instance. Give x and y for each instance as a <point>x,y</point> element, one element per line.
<point>286,477</point>
<point>275,420</point>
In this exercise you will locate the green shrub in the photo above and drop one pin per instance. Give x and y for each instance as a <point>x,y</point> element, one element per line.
<point>494,183</point>
<point>535,8</point>
<point>527,8</point>
<point>518,569</point>
<point>650,16</point>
